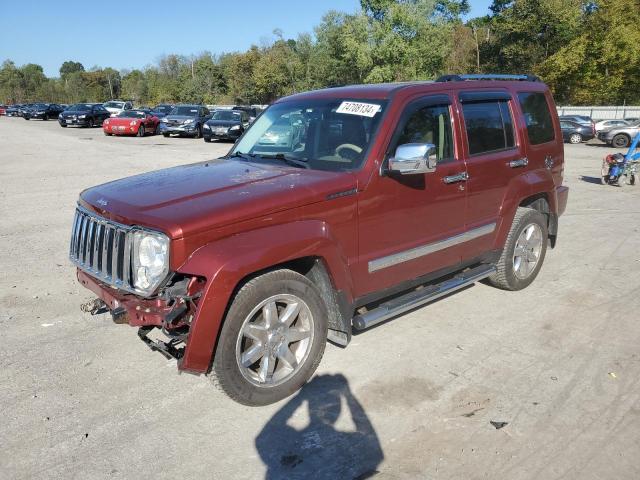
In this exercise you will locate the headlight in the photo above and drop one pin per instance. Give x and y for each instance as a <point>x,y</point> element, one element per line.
<point>150,260</point>
<point>132,122</point>
<point>187,122</point>
<point>82,116</point>
<point>206,127</point>
<point>164,120</point>
<point>60,115</point>
<point>106,122</point>
<point>235,127</point>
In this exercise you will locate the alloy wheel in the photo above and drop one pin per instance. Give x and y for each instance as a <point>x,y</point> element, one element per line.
<point>275,340</point>
<point>526,253</point>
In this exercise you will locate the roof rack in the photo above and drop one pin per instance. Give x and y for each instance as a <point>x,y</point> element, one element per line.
<point>488,76</point>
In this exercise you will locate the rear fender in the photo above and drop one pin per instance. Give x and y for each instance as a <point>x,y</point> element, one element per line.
<point>227,262</point>
<point>522,187</point>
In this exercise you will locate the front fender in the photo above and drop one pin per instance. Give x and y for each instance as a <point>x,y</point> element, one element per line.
<point>226,262</point>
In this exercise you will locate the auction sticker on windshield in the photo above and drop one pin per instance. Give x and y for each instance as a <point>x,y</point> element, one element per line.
<point>358,108</point>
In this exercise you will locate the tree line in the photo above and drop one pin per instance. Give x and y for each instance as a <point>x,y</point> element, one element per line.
<point>588,51</point>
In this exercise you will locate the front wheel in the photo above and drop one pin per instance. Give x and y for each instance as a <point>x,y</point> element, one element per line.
<point>622,180</point>
<point>272,340</point>
<point>198,133</point>
<point>575,138</point>
<point>90,123</point>
<point>165,135</point>
<point>523,252</point>
<point>141,131</point>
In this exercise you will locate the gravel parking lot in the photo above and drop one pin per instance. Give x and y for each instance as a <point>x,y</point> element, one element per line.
<point>557,363</point>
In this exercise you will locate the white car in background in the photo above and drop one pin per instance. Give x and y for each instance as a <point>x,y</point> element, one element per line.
<point>608,124</point>
<point>114,107</point>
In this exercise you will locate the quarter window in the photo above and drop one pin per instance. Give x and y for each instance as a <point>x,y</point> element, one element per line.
<point>489,126</point>
<point>537,117</point>
<point>431,124</point>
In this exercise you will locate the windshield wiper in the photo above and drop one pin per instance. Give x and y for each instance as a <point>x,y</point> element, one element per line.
<point>290,161</point>
<point>246,156</point>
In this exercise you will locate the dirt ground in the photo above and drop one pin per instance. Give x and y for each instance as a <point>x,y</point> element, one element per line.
<point>558,363</point>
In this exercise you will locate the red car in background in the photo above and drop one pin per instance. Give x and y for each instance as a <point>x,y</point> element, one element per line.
<point>132,122</point>
<point>3,109</point>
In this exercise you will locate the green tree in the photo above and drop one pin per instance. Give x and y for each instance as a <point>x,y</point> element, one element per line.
<point>70,67</point>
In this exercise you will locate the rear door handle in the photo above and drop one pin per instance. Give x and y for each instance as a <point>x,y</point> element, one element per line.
<point>521,162</point>
<point>460,177</point>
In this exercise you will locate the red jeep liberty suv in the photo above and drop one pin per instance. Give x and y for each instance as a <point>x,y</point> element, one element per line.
<point>336,210</point>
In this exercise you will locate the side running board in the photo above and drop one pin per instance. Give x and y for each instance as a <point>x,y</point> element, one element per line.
<point>415,298</point>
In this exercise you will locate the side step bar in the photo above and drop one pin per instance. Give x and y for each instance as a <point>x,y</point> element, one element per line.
<point>416,298</point>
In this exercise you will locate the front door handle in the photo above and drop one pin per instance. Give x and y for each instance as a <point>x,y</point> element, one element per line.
<point>460,177</point>
<point>521,162</point>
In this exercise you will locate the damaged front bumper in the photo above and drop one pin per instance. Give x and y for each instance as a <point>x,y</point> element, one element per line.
<point>171,312</point>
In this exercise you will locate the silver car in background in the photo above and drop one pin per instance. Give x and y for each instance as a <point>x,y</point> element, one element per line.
<point>619,137</point>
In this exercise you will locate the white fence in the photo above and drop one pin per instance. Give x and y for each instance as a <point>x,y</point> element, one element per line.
<point>602,113</point>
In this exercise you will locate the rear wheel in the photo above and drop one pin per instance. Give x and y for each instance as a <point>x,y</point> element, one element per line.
<point>90,123</point>
<point>272,340</point>
<point>141,131</point>
<point>45,118</point>
<point>165,135</point>
<point>156,131</point>
<point>621,181</point>
<point>620,141</point>
<point>524,251</point>
<point>633,179</point>
<point>575,138</point>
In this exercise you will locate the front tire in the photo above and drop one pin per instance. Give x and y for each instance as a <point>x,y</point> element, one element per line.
<point>90,123</point>
<point>524,251</point>
<point>575,138</point>
<point>141,131</point>
<point>621,181</point>
<point>198,133</point>
<point>165,135</point>
<point>272,340</point>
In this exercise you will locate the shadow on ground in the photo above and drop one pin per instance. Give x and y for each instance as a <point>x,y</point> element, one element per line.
<point>588,179</point>
<point>320,450</point>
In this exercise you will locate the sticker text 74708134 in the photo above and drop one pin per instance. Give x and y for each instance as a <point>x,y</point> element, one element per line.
<point>358,108</point>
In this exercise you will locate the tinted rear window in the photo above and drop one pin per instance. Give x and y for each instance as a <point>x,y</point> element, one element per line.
<point>489,126</point>
<point>537,116</point>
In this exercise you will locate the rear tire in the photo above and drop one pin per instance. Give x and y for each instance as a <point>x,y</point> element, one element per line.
<point>620,141</point>
<point>621,181</point>
<point>575,138</point>
<point>165,135</point>
<point>254,362</point>
<point>208,140</point>
<point>523,252</point>
<point>633,179</point>
<point>90,123</point>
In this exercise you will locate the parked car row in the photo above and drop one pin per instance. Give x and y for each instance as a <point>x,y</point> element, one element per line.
<point>120,118</point>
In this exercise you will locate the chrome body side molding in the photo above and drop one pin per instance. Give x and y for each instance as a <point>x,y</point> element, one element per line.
<point>412,254</point>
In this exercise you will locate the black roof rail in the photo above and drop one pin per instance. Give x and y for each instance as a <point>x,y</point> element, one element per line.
<point>488,76</point>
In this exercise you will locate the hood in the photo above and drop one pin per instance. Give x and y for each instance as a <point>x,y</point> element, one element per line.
<point>189,199</point>
<point>122,120</point>
<point>76,112</point>
<point>223,123</point>
<point>180,117</point>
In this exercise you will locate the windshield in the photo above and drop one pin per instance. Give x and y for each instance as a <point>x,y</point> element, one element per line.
<point>227,115</point>
<point>327,134</point>
<point>132,114</point>
<point>185,110</point>
<point>81,107</point>
<point>113,105</point>
<point>40,105</point>
<point>162,108</point>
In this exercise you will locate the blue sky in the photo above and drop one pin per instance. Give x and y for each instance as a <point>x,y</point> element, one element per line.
<point>50,32</point>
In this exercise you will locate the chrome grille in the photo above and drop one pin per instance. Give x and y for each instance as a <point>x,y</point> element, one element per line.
<point>102,248</point>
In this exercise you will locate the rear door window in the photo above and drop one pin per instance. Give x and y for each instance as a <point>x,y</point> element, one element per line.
<point>489,126</point>
<point>537,117</point>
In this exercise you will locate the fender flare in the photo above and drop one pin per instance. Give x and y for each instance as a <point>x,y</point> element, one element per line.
<point>225,263</point>
<point>537,183</point>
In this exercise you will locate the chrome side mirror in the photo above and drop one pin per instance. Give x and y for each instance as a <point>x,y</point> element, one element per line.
<point>413,158</point>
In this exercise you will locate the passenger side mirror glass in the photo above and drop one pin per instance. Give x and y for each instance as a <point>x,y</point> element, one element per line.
<point>414,158</point>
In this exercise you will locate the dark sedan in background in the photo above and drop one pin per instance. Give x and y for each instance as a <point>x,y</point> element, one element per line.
<point>43,111</point>
<point>573,132</point>
<point>84,115</point>
<point>13,110</point>
<point>225,125</point>
<point>185,120</point>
